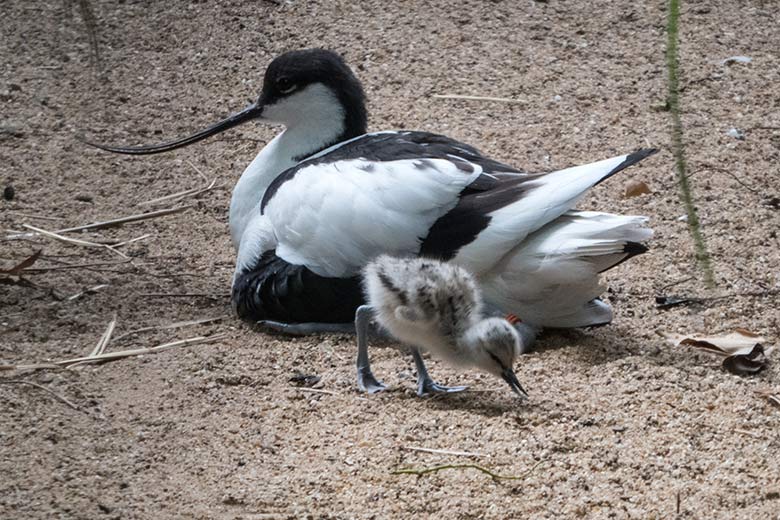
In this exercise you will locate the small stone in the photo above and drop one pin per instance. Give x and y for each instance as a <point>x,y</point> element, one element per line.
<point>84,197</point>
<point>230,500</point>
<point>736,133</point>
<point>9,192</point>
<point>11,130</point>
<point>636,188</point>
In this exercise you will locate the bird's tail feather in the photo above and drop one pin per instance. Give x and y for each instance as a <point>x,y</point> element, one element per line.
<point>552,278</point>
<point>545,198</point>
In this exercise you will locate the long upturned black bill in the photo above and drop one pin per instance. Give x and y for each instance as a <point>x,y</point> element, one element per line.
<point>509,376</point>
<point>251,112</point>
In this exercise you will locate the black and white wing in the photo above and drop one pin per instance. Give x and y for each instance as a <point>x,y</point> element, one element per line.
<point>414,193</point>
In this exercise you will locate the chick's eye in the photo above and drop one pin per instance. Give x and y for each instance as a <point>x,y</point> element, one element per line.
<point>285,85</point>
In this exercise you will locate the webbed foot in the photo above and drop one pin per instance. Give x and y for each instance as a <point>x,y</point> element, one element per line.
<point>428,386</point>
<point>367,382</point>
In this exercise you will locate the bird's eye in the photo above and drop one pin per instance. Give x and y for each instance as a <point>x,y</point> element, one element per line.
<point>285,85</point>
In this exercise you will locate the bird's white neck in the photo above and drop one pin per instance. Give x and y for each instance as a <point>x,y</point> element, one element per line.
<point>284,151</point>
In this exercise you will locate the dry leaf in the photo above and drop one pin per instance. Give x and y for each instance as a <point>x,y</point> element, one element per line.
<point>743,350</point>
<point>724,344</point>
<point>667,302</point>
<point>21,266</point>
<point>635,189</point>
<point>748,362</point>
<point>306,380</point>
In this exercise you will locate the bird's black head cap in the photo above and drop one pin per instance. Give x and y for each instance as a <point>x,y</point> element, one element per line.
<point>294,70</point>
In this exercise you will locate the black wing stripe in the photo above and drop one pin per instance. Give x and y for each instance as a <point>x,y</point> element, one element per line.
<point>470,216</point>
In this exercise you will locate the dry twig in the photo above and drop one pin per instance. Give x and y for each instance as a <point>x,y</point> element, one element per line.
<point>104,339</point>
<point>772,397</point>
<point>198,171</point>
<point>315,390</point>
<point>73,241</point>
<point>184,295</point>
<point>709,167</point>
<point>38,217</point>
<point>176,325</point>
<point>672,284</point>
<point>108,223</point>
<point>111,356</point>
<point>495,476</point>
<point>136,239</point>
<point>40,387</point>
<point>87,266</point>
<point>443,452</point>
<point>86,291</point>
<point>478,98</point>
<point>125,220</point>
<point>34,366</point>
<point>180,195</point>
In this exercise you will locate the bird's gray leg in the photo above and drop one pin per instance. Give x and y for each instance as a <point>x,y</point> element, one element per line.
<point>365,378</point>
<point>426,385</point>
<point>306,329</point>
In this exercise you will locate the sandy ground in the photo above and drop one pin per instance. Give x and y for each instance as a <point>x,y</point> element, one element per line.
<point>620,424</point>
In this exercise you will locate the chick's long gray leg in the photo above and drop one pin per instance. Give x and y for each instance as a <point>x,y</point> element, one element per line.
<point>365,378</point>
<point>426,385</point>
<point>306,329</point>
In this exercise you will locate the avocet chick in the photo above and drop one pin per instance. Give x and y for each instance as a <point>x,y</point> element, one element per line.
<point>435,306</point>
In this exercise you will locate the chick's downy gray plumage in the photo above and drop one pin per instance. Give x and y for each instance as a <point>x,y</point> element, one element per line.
<point>437,306</point>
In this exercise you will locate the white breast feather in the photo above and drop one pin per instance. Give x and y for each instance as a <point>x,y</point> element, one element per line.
<point>258,238</point>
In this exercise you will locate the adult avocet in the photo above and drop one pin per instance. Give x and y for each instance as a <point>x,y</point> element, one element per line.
<point>324,197</point>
